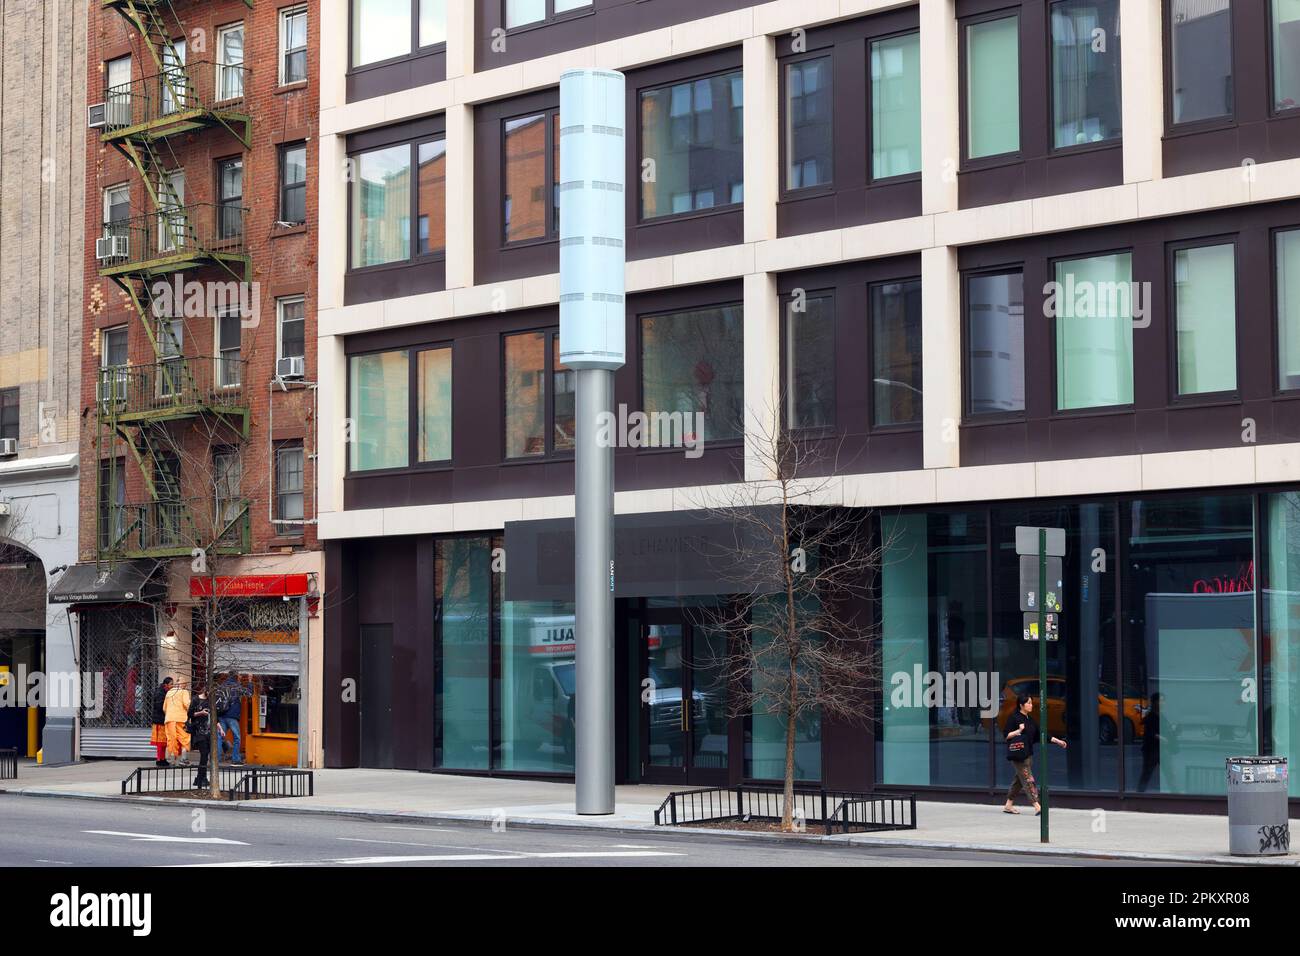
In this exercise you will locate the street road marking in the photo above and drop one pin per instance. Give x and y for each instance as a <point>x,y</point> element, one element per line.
<point>449,857</point>
<point>434,829</point>
<point>439,846</point>
<point>158,838</point>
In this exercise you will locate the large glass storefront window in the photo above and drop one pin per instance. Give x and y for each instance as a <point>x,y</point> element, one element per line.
<point>534,699</point>
<point>765,727</point>
<point>934,657</point>
<point>1084,704</point>
<point>1280,652</point>
<point>464,589</point>
<point>1189,640</point>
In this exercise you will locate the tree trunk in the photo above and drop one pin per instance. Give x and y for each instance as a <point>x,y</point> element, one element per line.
<point>787,816</point>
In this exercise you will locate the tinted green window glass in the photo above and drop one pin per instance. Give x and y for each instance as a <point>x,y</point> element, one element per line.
<point>1094,332</point>
<point>993,87</point>
<point>896,106</point>
<point>377,406</point>
<point>1205,301</point>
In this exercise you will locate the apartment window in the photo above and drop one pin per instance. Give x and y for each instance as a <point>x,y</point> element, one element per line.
<point>896,106</point>
<point>692,364</point>
<point>378,406</point>
<point>1085,72</point>
<point>173,81</point>
<point>172,222</point>
<point>1286,54</point>
<point>809,130</point>
<point>1094,331</point>
<point>9,413</point>
<point>171,363</point>
<point>288,488</point>
<point>227,474</point>
<point>523,12</point>
<point>293,45</point>
<point>291,323</point>
<point>389,218</point>
<point>381,412</point>
<point>230,199</point>
<point>1200,42</point>
<point>117,91</point>
<point>1287,257</point>
<point>228,348</point>
<point>995,342</point>
<point>896,352</point>
<point>1205,318</point>
<point>388,29</point>
<point>433,404</point>
<point>112,347</point>
<point>431,197</point>
<point>992,62</point>
<point>293,183</point>
<point>691,146</point>
<point>117,210</point>
<point>112,501</point>
<point>230,62</point>
<point>531,208</point>
<point>810,361</point>
<point>539,395</point>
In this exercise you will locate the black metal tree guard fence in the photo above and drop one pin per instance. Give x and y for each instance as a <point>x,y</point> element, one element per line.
<point>8,764</point>
<point>835,811</point>
<point>238,783</point>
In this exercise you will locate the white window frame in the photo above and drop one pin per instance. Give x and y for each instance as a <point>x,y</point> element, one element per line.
<point>169,239</point>
<point>283,51</point>
<point>279,324</point>
<point>117,106</point>
<point>222,66</point>
<point>174,55</point>
<point>289,527</point>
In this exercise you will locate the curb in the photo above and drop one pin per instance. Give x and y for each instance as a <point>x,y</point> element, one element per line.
<point>685,833</point>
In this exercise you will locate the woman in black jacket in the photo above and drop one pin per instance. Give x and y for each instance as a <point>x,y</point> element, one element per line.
<point>159,735</point>
<point>200,729</point>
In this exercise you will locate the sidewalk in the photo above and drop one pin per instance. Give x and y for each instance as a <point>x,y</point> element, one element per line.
<point>958,826</point>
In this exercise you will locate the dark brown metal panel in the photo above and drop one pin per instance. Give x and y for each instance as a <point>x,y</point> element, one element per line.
<point>341,719</point>
<point>1159,420</point>
<point>412,700</point>
<point>392,77</point>
<point>393,282</point>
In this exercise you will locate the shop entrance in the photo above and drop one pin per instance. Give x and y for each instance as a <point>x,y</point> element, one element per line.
<point>685,736</point>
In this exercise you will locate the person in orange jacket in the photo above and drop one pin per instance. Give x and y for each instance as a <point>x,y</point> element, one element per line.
<point>176,707</point>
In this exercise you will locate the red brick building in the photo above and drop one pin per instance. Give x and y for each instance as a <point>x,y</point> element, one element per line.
<point>199,422</point>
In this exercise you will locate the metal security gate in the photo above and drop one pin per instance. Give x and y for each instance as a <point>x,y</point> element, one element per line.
<point>119,659</point>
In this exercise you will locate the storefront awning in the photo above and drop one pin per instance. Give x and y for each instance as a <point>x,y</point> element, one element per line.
<point>107,584</point>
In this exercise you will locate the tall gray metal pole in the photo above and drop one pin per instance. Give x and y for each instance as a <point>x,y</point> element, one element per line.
<point>592,334</point>
<point>594,606</point>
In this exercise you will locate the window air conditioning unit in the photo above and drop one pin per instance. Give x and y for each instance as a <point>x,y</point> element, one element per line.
<point>8,447</point>
<point>292,367</point>
<point>97,116</point>
<point>111,247</point>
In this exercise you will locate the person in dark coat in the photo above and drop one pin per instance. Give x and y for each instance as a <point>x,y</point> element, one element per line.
<point>200,717</point>
<point>158,737</point>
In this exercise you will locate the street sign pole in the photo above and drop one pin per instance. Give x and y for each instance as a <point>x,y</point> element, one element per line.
<point>1043,731</point>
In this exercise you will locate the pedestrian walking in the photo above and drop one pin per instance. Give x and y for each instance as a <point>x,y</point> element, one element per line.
<point>1022,733</point>
<point>158,736</point>
<point>176,711</point>
<point>200,728</point>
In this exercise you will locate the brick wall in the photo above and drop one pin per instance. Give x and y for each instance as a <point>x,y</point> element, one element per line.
<point>283,257</point>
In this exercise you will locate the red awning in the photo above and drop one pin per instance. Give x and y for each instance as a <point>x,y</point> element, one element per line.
<point>251,585</point>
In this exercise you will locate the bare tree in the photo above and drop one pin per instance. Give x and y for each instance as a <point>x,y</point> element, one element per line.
<point>801,570</point>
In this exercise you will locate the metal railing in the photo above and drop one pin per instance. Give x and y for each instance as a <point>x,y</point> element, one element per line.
<point>831,810</point>
<point>8,764</point>
<point>179,524</point>
<point>181,94</point>
<point>274,783</point>
<point>189,231</point>
<point>238,783</point>
<point>187,381</point>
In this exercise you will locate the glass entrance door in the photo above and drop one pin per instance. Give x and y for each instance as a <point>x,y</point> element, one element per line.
<point>684,700</point>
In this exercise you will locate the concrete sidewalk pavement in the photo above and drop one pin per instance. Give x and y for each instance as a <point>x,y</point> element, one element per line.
<point>406,794</point>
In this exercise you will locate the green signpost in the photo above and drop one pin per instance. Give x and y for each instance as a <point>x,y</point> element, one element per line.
<point>1046,596</point>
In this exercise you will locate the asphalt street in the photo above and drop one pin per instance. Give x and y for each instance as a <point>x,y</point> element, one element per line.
<point>52,832</point>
